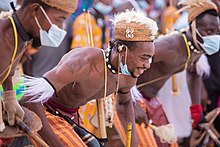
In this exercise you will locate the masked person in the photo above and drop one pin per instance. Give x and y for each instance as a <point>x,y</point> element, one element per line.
<point>99,25</point>
<point>84,73</point>
<point>212,82</point>
<point>37,21</point>
<point>172,54</point>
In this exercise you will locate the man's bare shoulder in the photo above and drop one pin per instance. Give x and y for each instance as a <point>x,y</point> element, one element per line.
<point>83,53</point>
<point>83,58</point>
<point>167,47</point>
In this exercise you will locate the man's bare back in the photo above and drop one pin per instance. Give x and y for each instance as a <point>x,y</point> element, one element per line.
<point>170,58</point>
<point>18,29</point>
<point>90,84</point>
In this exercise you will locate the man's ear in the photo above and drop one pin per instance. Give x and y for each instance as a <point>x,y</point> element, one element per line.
<point>122,48</point>
<point>35,9</point>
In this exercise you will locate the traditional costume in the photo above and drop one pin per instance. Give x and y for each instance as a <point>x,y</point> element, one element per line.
<point>129,26</point>
<point>195,8</point>
<point>99,30</point>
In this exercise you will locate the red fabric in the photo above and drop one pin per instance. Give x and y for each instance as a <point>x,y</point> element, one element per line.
<point>196,114</point>
<point>58,106</point>
<point>5,142</point>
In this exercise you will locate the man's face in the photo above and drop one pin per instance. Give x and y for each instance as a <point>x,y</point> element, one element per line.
<point>56,16</point>
<point>139,59</point>
<point>208,25</point>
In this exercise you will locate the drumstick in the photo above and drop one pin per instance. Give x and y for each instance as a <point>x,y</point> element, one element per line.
<point>207,125</point>
<point>100,102</point>
<point>90,29</point>
<point>128,135</point>
<point>30,134</point>
<point>87,27</point>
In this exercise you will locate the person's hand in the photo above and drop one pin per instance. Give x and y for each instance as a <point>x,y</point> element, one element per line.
<point>12,107</point>
<point>140,115</point>
<point>196,115</point>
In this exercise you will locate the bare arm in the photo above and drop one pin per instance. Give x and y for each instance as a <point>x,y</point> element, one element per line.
<point>10,104</point>
<point>70,70</point>
<point>46,132</point>
<point>194,84</point>
<point>125,110</point>
<point>7,85</point>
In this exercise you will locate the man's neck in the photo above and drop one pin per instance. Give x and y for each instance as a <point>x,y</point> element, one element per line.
<point>22,21</point>
<point>113,60</point>
<point>190,39</point>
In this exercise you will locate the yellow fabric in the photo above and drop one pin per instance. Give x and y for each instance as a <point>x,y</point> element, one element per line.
<point>145,135</point>
<point>87,112</point>
<point>64,131</point>
<point>168,18</point>
<point>80,34</point>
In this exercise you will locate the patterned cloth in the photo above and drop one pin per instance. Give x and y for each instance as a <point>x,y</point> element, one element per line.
<point>168,18</point>
<point>100,31</point>
<point>69,132</point>
<point>146,137</point>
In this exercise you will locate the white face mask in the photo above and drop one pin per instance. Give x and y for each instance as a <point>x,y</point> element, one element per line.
<point>54,36</point>
<point>211,44</point>
<point>102,8</point>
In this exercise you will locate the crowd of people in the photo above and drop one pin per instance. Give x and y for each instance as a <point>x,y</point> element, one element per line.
<point>154,63</point>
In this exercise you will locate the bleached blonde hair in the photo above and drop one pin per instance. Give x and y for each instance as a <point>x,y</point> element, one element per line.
<point>129,16</point>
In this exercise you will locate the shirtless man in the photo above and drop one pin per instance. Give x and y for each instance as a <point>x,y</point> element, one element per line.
<point>172,52</point>
<point>30,23</point>
<point>80,75</point>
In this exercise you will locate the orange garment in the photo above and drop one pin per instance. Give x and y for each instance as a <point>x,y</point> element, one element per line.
<point>86,113</point>
<point>64,131</point>
<point>80,32</point>
<point>146,137</point>
<point>168,18</point>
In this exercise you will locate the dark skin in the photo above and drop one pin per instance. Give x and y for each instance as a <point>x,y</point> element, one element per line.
<point>106,2</point>
<point>28,22</point>
<point>170,55</point>
<point>26,16</point>
<point>78,81</point>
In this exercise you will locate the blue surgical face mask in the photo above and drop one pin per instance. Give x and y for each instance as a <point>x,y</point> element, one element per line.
<point>54,36</point>
<point>102,8</point>
<point>124,67</point>
<point>143,4</point>
<point>211,44</point>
